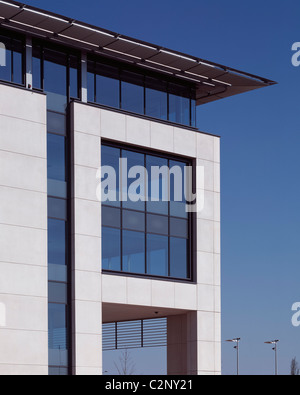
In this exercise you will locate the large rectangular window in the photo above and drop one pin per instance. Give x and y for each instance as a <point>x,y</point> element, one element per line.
<point>179,104</point>
<point>136,91</point>
<point>147,231</point>
<point>11,59</point>
<point>156,98</point>
<point>132,92</point>
<point>56,71</point>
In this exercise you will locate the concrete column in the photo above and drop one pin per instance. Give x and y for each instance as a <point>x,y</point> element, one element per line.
<point>86,270</point>
<point>182,344</point>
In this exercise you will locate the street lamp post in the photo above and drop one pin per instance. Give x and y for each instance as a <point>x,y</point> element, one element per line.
<point>237,341</point>
<point>275,349</point>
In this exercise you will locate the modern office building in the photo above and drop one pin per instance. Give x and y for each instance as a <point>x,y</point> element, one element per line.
<point>75,98</point>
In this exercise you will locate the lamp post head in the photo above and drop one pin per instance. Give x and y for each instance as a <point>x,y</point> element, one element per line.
<point>272,342</point>
<point>236,340</point>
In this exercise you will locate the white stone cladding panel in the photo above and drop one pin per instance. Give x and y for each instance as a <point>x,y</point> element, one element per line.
<point>23,233</point>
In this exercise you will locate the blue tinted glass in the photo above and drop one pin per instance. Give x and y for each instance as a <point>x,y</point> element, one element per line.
<point>157,224</point>
<point>56,157</point>
<point>158,184</point>
<point>57,371</point>
<point>134,188</point>
<point>156,98</point>
<point>110,157</point>
<point>57,208</point>
<point>57,334</point>
<point>179,109</point>
<point>178,258</point>
<point>157,255</point>
<point>107,91</point>
<point>56,123</point>
<point>132,97</point>
<point>133,220</point>
<point>17,68</point>
<point>179,227</point>
<point>5,59</point>
<point>57,188</point>
<point>91,86</point>
<point>177,189</point>
<point>73,76</point>
<point>36,73</point>
<point>111,249</point>
<point>56,242</point>
<point>36,67</point>
<point>55,72</point>
<point>73,83</point>
<point>133,252</point>
<point>111,217</point>
<point>57,292</point>
<point>193,113</point>
<point>55,80</point>
<point>156,104</point>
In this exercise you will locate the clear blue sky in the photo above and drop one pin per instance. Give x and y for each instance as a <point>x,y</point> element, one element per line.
<point>259,151</point>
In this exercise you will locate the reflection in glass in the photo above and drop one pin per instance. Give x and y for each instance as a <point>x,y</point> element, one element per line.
<point>179,109</point>
<point>56,123</point>
<point>56,242</point>
<point>110,157</point>
<point>111,217</point>
<point>158,184</point>
<point>57,208</point>
<point>178,258</point>
<point>17,68</point>
<point>157,224</point>
<point>57,188</point>
<point>179,104</point>
<point>132,98</point>
<point>133,220</point>
<point>6,64</point>
<point>179,227</point>
<point>107,91</point>
<point>141,241</point>
<point>57,334</point>
<point>56,157</point>
<point>55,80</point>
<point>36,67</point>
<point>136,187</point>
<point>57,292</point>
<point>132,88</point>
<point>157,255</point>
<point>156,98</point>
<point>73,71</point>
<point>58,371</point>
<point>177,189</point>
<point>55,72</point>
<point>111,249</point>
<point>11,59</point>
<point>133,252</point>
<point>91,87</point>
<point>193,113</point>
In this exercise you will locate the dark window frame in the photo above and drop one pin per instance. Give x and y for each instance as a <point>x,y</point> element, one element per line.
<point>69,52</point>
<point>191,221</point>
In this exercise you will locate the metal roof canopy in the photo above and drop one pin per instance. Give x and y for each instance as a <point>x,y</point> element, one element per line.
<point>212,81</point>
